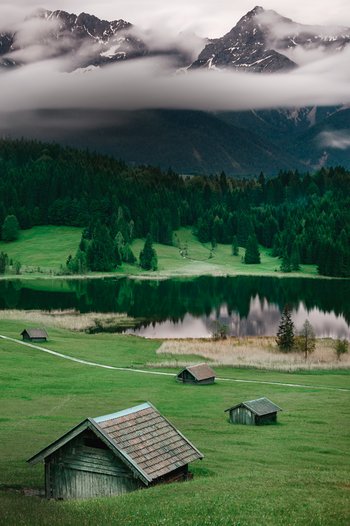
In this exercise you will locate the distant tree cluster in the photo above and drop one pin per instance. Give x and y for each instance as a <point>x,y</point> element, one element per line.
<point>98,251</point>
<point>301,219</point>
<point>288,341</point>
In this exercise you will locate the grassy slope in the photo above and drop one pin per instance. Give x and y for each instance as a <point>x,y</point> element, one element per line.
<point>49,246</point>
<point>46,247</point>
<point>295,473</point>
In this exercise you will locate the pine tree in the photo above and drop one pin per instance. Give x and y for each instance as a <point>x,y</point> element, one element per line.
<point>100,253</point>
<point>148,256</point>
<point>285,333</point>
<point>3,262</point>
<point>285,264</point>
<point>235,247</point>
<point>295,257</point>
<point>10,228</point>
<point>252,254</point>
<point>128,255</point>
<point>244,229</point>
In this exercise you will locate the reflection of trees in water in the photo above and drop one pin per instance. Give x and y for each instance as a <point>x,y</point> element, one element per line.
<point>173,299</point>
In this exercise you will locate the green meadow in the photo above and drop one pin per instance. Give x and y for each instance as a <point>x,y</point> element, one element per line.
<point>293,473</point>
<point>43,249</point>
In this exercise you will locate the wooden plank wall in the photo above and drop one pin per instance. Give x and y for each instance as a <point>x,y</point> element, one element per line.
<point>242,415</point>
<point>79,471</point>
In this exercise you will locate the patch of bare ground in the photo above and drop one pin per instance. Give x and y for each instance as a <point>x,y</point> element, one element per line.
<point>257,352</point>
<point>71,319</point>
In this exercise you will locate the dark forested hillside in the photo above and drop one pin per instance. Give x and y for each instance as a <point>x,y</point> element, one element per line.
<point>303,218</point>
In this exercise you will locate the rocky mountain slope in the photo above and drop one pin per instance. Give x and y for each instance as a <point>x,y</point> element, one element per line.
<point>264,41</point>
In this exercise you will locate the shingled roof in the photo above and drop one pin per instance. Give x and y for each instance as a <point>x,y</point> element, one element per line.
<point>261,406</point>
<point>201,371</point>
<point>140,436</point>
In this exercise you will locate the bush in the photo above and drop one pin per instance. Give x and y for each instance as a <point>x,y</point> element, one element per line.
<point>341,347</point>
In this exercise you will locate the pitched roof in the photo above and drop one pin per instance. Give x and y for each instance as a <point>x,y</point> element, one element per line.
<point>148,443</point>
<point>201,371</point>
<point>261,406</point>
<point>35,333</point>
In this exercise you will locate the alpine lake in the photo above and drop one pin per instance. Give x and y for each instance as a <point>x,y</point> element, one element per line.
<point>193,308</point>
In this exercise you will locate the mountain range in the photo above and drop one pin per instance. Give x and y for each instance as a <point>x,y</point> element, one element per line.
<point>241,143</point>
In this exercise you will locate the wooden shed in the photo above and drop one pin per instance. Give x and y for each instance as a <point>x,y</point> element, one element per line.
<point>115,454</point>
<point>197,374</point>
<point>34,335</point>
<point>254,412</point>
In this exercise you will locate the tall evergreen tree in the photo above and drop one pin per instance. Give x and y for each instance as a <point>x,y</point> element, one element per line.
<point>100,253</point>
<point>295,257</point>
<point>10,228</point>
<point>148,255</point>
<point>285,333</point>
<point>3,262</point>
<point>252,254</point>
<point>285,263</point>
<point>235,247</point>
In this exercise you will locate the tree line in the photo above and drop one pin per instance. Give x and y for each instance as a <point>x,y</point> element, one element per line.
<point>301,218</point>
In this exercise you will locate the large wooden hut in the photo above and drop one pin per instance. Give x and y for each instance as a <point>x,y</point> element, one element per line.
<point>254,412</point>
<point>34,335</point>
<point>115,454</point>
<point>197,374</point>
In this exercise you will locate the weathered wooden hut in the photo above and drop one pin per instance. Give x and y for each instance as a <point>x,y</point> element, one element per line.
<point>254,412</point>
<point>115,454</point>
<point>34,335</point>
<point>197,374</point>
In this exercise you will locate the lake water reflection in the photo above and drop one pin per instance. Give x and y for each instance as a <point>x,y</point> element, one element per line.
<point>184,308</point>
<point>262,320</point>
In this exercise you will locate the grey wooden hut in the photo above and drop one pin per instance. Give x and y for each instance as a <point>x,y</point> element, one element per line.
<point>254,412</point>
<point>115,454</point>
<point>34,335</point>
<point>197,374</point>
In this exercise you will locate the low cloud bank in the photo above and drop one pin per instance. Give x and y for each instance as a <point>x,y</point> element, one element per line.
<point>152,84</point>
<point>337,139</point>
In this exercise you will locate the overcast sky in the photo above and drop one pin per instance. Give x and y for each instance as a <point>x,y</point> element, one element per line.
<point>206,17</point>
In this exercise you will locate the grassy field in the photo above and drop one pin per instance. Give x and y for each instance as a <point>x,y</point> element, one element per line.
<point>293,473</point>
<point>46,247</point>
<point>42,250</point>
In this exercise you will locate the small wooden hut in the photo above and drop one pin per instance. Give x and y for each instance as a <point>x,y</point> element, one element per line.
<point>34,335</point>
<point>115,454</point>
<point>254,412</point>
<point>197,374</point>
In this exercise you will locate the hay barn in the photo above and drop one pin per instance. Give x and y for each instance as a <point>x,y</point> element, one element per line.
<point>197,374</point>
<point>115,454</point>
<point>34,335</point>
<point>254,412</point>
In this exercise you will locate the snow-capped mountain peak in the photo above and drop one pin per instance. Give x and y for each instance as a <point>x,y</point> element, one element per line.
<point>264,41</point>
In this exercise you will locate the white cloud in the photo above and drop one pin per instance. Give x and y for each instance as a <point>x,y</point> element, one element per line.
<point>337,139</point>
<point>151,83</point>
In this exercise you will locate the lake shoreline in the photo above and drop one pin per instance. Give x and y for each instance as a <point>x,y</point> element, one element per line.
<point>155,276</point>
